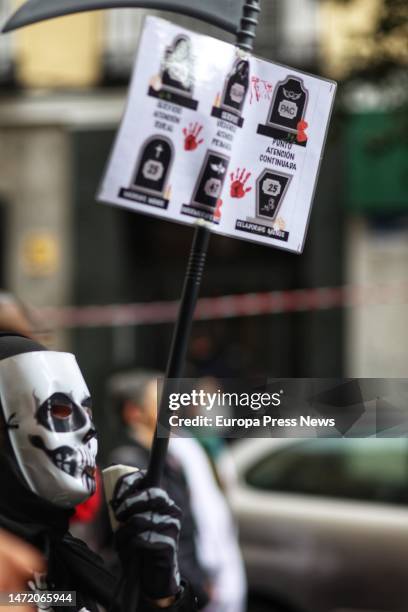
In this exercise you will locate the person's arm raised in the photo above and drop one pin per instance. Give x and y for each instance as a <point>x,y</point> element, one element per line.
<point>148,535</point>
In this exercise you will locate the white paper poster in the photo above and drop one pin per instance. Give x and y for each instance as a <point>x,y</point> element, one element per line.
<point>213,133</point>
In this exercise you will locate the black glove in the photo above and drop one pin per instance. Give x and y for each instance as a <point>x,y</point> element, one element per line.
<point>185,602</point>
<point>149,534</point>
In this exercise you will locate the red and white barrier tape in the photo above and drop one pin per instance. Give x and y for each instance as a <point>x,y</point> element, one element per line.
<point>223,307</point>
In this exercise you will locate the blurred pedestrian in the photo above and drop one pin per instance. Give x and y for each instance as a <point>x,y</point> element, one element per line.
<point>217,538</point>
<point>134,395</point>
<point>210,437</point>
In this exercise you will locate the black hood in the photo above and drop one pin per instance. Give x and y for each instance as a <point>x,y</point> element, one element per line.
<point>15,344</point>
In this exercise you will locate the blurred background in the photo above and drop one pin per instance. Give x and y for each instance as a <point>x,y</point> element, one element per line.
<point>63,88</point>
<point>62,92</point>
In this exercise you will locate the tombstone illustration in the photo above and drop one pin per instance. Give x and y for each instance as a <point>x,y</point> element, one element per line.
<point>271,188</point>
<point>288,104</point>
<point>153,165</point>
<point>236,87</point>
<point>178,67</point>
<point>287,110</point>
<point>234,94</point>
<point>210,181</point>
<point>177,74</point>
<point>150,178</point>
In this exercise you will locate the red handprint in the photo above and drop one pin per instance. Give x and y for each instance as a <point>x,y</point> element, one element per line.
<point>191,134</point>
<point>238,182</point>
<point>301,133</point>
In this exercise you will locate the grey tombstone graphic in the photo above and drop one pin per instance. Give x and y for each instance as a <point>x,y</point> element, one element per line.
<point>234,94</point>
<point>271,189</point>
<point>150,178</point>
<point>208,188</point>
<point>154,165</point>
<point>211,180</point>
<point>236,87</point>
<point>177,74</point>
<point>287,110</point>
<point>178,67</point>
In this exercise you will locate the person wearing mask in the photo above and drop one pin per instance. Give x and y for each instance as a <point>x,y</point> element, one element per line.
<point>48,447</point>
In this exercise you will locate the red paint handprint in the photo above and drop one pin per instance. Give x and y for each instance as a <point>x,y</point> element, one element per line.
<point>191,134</point>
<point>238,182</point>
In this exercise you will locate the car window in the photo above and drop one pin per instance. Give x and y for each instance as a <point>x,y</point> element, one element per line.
<point>361,469</point>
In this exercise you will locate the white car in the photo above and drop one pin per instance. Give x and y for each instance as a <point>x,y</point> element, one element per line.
<point>323,522</point>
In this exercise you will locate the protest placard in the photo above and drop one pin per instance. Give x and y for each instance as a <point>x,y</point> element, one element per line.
<point>214,133</point>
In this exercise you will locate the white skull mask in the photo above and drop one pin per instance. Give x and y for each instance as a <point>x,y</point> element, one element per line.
<point>46,407</point>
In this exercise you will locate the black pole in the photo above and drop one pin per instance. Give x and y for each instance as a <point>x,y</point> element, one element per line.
<point>178,350</point>
<point>195,268</point>
<point>249,23</point>
<point>175,365</point>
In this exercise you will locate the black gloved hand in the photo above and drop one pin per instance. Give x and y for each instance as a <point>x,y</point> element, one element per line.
<point>149,534</point>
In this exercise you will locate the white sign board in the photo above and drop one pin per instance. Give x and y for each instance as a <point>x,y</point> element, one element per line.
<point>212,133</point>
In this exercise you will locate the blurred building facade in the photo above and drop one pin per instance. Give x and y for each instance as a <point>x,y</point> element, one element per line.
<point>376,188</point>
<point>84,49</point>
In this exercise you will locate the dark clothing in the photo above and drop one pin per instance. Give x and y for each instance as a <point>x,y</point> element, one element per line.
<point>72,566</point>
<point>135,455</point>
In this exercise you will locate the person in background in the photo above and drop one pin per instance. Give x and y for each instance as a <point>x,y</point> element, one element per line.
<point>217,540</point>
<point>210,438</point>
<point>134,395</point>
